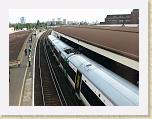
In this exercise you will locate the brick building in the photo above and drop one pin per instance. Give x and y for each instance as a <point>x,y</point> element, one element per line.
<point>132,18</point>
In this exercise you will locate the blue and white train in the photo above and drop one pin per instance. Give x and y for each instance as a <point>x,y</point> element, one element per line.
<point>93,83</point>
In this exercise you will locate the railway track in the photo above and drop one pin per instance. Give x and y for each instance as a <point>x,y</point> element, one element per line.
<point>46,93</point>
<point>51,88</point>
<point>55,80</point>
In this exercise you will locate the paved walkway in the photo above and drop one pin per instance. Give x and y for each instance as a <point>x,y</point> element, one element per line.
<point>21,78</point>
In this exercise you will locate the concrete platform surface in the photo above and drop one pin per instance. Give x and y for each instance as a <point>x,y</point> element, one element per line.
<point>21,78</point>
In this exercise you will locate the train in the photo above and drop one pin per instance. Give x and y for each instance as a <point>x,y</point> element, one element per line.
<point>92,83</point>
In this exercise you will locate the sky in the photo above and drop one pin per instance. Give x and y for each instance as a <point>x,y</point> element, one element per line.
<point>89,15</point>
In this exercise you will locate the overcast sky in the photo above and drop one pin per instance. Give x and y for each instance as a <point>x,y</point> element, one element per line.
<point>90,15</point>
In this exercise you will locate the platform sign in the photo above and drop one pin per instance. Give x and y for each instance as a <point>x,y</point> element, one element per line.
<point>78,82</point>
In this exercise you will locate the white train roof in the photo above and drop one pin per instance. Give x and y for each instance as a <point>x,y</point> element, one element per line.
<point>116,89</point>
<point>61,46</point>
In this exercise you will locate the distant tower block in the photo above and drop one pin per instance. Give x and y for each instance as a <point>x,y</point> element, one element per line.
<point>22,19</point>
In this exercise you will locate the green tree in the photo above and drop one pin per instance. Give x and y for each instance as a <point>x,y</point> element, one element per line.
<point>38,24</point>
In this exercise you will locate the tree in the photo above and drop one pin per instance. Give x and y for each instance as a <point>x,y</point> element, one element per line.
<point>38,24</point>
<point>16,27</point>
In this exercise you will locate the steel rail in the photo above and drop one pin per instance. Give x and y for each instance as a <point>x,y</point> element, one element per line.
<point>56,83</point>
<point>41,76</point>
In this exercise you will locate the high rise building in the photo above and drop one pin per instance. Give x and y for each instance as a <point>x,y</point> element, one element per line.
<point>53,21</point>
<point>22,19</point>
<point>64,21</point>
<point>58,19</point>
<point>58,22</point>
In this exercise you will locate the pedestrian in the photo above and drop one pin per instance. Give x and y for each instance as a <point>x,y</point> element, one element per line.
<point>29,60</point>
<point>30,46</point>
<point>31,39</point>
<point>29,51</point>
<point>25,51</point>
<point>19,63</point>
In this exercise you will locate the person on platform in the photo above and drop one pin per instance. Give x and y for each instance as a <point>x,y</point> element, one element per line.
<point>25,51</point>
<point>29,60</point>
<point>30,50</point>
<point>30,46</point>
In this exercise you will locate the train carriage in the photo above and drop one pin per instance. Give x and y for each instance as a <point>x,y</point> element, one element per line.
<point>94,84</point>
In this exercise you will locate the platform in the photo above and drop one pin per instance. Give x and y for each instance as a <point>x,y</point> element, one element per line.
<point>21,78</point>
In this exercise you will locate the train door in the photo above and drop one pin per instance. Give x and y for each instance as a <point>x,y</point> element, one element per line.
<point>78,79</point>
<point>65,66</point>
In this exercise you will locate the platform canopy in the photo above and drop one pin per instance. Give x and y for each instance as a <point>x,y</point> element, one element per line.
<point>121,40</point>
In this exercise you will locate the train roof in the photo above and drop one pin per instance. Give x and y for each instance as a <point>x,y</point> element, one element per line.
<point>117,89</point>
<point>120,40</point>
<point>60,45</point>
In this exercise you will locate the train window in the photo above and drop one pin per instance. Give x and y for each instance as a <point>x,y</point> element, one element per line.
<point>68,51</point>
<point>59,56</point>
<point>99,95</point>
<point>88,65</point>
<point>91,97</point>
<point>58,36</point>
<point>56,52</point>
<point>71,72</point>
<point>68,69</point>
